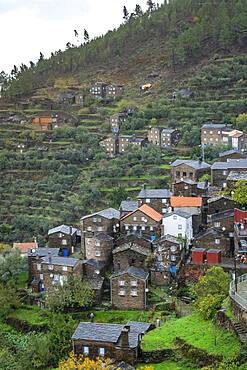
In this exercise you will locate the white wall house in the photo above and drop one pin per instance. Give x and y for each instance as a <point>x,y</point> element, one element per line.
<point>178,224</point>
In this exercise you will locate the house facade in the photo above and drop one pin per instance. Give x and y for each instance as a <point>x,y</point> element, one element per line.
<point>223,220</point>
<point>98,90</point>
<point>188,188</point>
<point>103,221</point>
<point>110,145</point>
<point>114,91</point>
<point>221,170</point>
<point>116,341</point>
<point>63,237</point>
<point>169,137</point>
<point>158,199</point>
<point>130,254</point>
<point>214,238</point>
<point>144,221</point>
<point>99,246</point>
<point>231,154</point>
<point>178,224</point>
<point>124,142</point>
<point>183,169</point>
<point>129,289</point>
<point>219,204</point>
<point>215,134</point>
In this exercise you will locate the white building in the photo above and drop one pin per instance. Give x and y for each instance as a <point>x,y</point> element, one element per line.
<point>178,224</point>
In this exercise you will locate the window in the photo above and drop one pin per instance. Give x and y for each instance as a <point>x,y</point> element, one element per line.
<point>218,132</point>
<point>122,283</point>
<point>89,228</point>
<point>184,174</point>
<point>65,268</point>
<point>38,266</point>
<point>133,283</point>
<point>211,132</point>
<point>102,351</point>
<point>191,175</point>
<point>186,187</point>
<point>135,227</point>
<point>85,350</point>
<point>100,228</point>
<point>143,228</point>
<point>143,218</point>
<point>177,173</point>
<point>217,241</point>
<point>134,218</point>
<point>164,210</point>
<point>56,278</point>
<point>60,235</point>
<point>64,242</point>
<point>97,243</point>
<point>134,293</point>
<point>41,276</point>
<point>216,224</point>
<point>151,228</point>
<point>180,235</point>
<point>50,267</point>
<point>225,173</point>
<point>97,253</point>
<point>164,201</point>
<point>174,217</point>
<point>205,139</point>
<point>94,219</point>
<point>126,227</point>
<point>147,200</point>
<point>180,227</point>
<point>121,292</point>
<point>205,132</point>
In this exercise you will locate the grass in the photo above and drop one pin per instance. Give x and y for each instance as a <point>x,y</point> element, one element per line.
<point>195,331</point>
<point>170,365</point>
<point>121,317</point>
<point>31,314</point>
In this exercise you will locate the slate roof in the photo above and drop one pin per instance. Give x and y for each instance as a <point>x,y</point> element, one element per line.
<point>178,213</point>
<point>197,165</point>
<point>210,231</point>
<point>234,164</point>
<point>65,229</point>
<point>214,125</point>
<point>42,252</point>
<point>167,237</point>
<point>134,271</point>
<point>128,205</point>
<point>219,197</point>
<point>109,213</point>
<point>132,246</point>
<point>234,175</point>
<point>60,261</point>
<point>154,193</point>
<point>95,263</point>
<point>168,130</point>
<point>110,333</point>
<point>229,152</point>
<point>187,181</point>
<point>103,236</point>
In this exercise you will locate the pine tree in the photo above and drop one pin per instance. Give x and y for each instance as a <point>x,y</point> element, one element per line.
<point>138,10</point>
<point>86,36</point>
<point>151,5</point>
<point>41,56</point>
<point>126,13</point>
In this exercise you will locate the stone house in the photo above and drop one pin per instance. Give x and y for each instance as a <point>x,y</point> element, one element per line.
<point>117,120</point>
<point>169,137</point>
<point>178,224</point>
<point>34,258</point>
<point>130,254</point>
<point>221,170</point>
<point>98,246</point>
<point>214,238</point>
<point>188,188</point>
<point>141,240</point>
<point>169,249</point>
<point>128,206</point>
<point>54,270</point>
<point>154,135</point>
<point>139,141</point>
<point>219,204</point>
<point>183,169</point>
<point>129,289</point>
<point>231,154</point>
<point>160,274</point>
<point>158,199</point>
<point>106,221</point>
<point>98,90</point>
<point>215,134</point>
<point>121,342</point>
<point>113,91</point>
<point>124,142</point>
<point>223,220</point>
<point>93,269</point>
<point>144,221</point>
<point>237,139</point>
<point>110,145</point>
<point>63,237</point>
<point>97,286</point>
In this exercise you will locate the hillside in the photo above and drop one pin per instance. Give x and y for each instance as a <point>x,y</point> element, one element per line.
<point>56,177</point>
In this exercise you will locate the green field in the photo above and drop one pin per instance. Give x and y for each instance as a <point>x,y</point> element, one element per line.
<point>195,331</point>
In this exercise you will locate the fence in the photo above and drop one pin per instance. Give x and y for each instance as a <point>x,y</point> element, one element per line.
<point>236,296</point>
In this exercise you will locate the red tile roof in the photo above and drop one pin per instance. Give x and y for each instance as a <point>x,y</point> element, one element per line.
<point>24,247</point>
<point>186,201</point>
<point>148,211</point>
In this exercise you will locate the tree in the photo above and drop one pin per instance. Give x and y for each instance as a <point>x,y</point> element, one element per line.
<point>11,267</point>
<point>239,192</point>
<point>241,121</point>
<point>211,290</point>
<point>118,195</point>
<point>125,13</point>
<point>81,362</point>
<point>86,36</point>
<point>151,5</point>
<point>41,57</point>
<point>74,293</point>
<point>9,299</point>
<point>138,10</point>
<point>76,33</point>
<point>153,121</point>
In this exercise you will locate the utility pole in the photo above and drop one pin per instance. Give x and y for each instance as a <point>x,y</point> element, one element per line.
<point>235,273</point>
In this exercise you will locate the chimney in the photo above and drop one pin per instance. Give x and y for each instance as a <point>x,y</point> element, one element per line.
<point>144,186</point>
<point>70,230</point>
<point>49,257</point>
<point>125,336</point>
